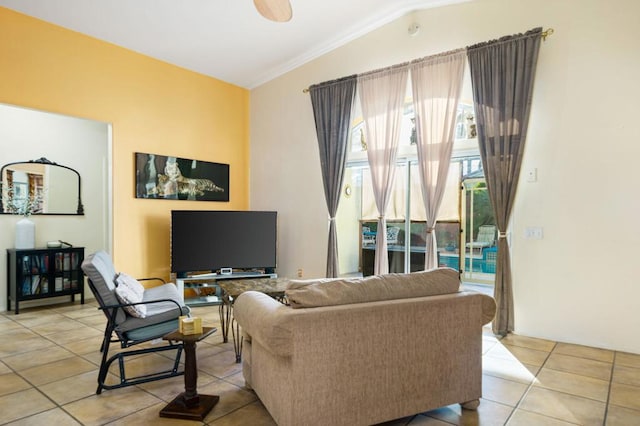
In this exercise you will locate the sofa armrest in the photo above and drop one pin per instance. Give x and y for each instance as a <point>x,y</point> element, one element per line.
<point>488,309</point>
<point>265,320</point>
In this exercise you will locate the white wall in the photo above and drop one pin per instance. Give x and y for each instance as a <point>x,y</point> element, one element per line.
<point>576,285</point>
<point>84,145</point>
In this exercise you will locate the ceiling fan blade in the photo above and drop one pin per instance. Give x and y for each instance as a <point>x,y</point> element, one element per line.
<point>274,10</point>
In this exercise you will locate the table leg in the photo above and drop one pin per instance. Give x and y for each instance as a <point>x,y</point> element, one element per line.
<point>225,316</point>
<point>237,339</point>
<point>189,404</point>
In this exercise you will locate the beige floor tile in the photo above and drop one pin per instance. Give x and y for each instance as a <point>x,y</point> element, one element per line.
<point>231,398</point>
<point>39,357</point>
<point>236,379</point>
<point>150,417</point>
<point>110,405</point>
<point>620,416</point>
<point>83,312</point>
<point>562,406</point>
<point>519,353</point>
<point>57,370</point>
<point>85,346</point>
<point>80,332</point>
<point>11,383</point>
<point>626,375</point>
<point>16,333</point>
<point>527,418</point>
<point>583,366</point>
<point>4,368</point>
<point>488,344</point>
<point>509,369</point>
<point>488,413</point>
<point>10,347</point>
<point>57,326</point>
<point>625,396</point>
<point>220,365</point>
<point>584,352</point>
<point>33,318</point>
<point>528,342</point>
<point>64,308</point>
<point>23,404</point>
<point>95,321</point>
<point>627,359</point>
<point>8,325</point>
<point>252,414</point>
<point>503,391</point>
<point>55,417</point>
<point>573,384</point>
<point>167,389</point>
<point>72,388</point>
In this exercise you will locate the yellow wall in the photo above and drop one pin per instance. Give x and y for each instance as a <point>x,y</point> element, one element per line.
<point>153,106</point>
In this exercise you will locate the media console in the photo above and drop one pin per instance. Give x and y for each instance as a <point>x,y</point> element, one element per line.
<point>200,290</point>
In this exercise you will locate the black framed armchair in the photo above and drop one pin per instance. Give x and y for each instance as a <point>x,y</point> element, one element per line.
<point>162,308</point>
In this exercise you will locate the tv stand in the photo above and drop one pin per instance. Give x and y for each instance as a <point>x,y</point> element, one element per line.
<point>202,290</point>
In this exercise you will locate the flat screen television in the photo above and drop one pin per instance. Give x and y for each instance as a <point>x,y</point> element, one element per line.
<point>205,240</point>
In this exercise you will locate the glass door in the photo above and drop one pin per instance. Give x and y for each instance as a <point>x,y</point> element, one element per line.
<point>479,232</point>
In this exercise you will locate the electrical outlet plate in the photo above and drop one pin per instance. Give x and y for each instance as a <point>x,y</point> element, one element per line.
<point>533,233</point>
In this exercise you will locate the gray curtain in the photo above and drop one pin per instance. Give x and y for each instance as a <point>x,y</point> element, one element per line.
<point>502,74</point>
<point>332,105</point>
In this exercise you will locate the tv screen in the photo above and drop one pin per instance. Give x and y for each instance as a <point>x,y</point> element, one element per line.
<point>203,240</point>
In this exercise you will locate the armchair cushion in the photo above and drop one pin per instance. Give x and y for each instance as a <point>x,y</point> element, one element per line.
<point>329,292</point>
<point>157,312</point>
<point>129,290</point>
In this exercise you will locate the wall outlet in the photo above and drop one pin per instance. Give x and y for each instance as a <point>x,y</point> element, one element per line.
<point>300,273</point>
<point>533,233</point>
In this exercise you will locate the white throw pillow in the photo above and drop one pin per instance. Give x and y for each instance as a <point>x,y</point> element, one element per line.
<point>129,290</point>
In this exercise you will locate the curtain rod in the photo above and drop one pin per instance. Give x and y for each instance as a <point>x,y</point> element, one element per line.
<point>546,33</point>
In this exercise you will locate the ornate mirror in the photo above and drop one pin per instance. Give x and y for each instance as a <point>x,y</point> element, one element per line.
<point>40,187</point>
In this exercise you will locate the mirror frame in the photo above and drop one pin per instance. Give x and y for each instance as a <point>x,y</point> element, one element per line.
<point>43,160</point>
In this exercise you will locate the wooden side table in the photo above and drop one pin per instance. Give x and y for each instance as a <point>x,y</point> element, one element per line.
<point>189,404</point>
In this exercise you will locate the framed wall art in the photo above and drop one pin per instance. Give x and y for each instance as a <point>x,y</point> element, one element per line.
<point>174,178</point>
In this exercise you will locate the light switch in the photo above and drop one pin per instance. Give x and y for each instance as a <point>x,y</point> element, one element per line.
<point>532,175</point>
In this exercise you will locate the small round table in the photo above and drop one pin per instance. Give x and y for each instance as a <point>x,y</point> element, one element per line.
<point>189,404</point>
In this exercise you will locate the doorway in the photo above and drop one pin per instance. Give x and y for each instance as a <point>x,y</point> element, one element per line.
<point>479,232</point>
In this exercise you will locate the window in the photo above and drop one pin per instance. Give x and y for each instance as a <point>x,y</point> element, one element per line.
<point>357,214</point>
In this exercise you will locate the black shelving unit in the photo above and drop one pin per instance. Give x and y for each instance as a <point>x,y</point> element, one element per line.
<point>41,273</point>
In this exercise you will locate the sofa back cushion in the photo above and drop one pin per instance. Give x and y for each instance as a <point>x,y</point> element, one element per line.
<point>329,292</point>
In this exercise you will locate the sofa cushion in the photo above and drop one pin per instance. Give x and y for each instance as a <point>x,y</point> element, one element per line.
<point>329,292</point>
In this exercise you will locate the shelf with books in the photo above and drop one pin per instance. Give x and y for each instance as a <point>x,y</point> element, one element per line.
<point>41,273</point>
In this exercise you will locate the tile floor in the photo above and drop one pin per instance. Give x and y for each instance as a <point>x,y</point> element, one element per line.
<point>49,363</point>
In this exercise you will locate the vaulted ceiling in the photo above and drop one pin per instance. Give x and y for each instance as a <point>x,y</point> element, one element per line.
<point>225,39</point>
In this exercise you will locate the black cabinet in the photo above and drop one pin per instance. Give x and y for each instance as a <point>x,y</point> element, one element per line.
<point>41,273</point>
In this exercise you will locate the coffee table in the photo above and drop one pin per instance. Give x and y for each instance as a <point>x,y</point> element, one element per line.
<point>189,404</point>
<point>231,289</point>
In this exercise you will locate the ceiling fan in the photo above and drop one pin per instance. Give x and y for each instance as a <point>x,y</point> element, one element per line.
<point>274,10</point>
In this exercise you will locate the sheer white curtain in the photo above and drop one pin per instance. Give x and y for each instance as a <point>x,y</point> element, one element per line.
<point>436,84</point>
<point>382,95</point>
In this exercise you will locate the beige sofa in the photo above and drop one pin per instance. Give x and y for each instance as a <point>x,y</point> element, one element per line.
<point>350,352</point>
